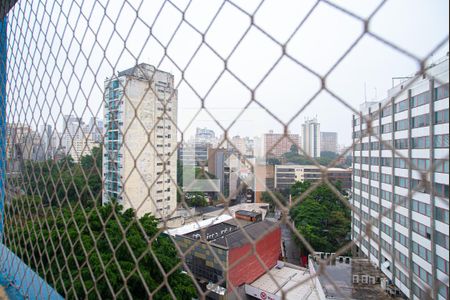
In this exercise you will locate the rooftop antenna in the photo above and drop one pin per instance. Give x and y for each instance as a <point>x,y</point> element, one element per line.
<point>365,92</point>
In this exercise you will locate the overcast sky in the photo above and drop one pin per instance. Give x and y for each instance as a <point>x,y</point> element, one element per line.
<point>61,54</point>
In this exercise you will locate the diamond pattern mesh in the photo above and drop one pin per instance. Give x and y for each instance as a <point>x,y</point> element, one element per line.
<point>70,67</point>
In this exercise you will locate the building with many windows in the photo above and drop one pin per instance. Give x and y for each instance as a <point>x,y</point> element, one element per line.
<point>329,141</point>
<point>276,144</point>
<point>140,157</point>
<point>287,175</point>
<point>409,239</point>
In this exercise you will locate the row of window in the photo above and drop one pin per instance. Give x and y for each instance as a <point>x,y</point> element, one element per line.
<point>421,229</point>
<point>402,239</point>
<point>415,101</point>
<point>440,141</point>
<point>401,219</point>
<point>440,190</point>
<point>403,259</point>
<point>422,274</point>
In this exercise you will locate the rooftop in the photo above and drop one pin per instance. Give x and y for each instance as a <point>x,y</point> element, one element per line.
<point>230,234</point>
<point>294,282</point>
<point>248,213</point>
<point>341,274</point>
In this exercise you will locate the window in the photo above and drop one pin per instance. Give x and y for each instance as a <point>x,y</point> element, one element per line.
<point>441,190</point>
<point>441,92</point>
<point>386,229</point>
<point>421,251</point>
<point>386,162</point>
<point>387,111</point>
<point>420,99</point>
<point>401,239</point>
<point>421,208</point>
<point>374,206</point>
<point>401,144</point>
<point>115,84</point>
<point>401,182</point>
<point>441,214</point>
<point>400,163</point>
<point>386,195</point>
<point>386,178</point>
<point>402,258</point>
<point>420,121</point>
<point>400,219</point>
<point>374,191</point>
<point>401,106</point>
<point>441,165</point>
<point>441,117</point>
<point>441,239</point>
<point>424,275</point>
<point>421,164</point>
<point>422,142</point>
<point>386,128</point>
<point>401,125</point>
<point>442,264</point>
<point>421,229</point>
<point>441,141</point>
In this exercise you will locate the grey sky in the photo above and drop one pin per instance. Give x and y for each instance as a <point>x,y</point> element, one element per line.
<point>93,48</point>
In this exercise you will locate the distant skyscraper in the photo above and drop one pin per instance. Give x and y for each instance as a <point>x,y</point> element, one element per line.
<point>276,144</point>
<point>140,161</point>
<point>311,137</point>
<point>329,141</point>
<point>410,242</point>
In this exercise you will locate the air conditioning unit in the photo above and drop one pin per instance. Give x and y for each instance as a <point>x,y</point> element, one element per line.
<point>365,279</point>
<point>372,280</point>
<point>355,279</point>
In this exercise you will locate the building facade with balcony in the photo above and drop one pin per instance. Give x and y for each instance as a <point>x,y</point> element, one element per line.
<point>409,239</point>
<point>140,140</point>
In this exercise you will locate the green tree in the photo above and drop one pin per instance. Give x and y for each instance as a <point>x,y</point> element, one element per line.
<point>196,199</point>
<point>294,149</point>
<point>87,249</point>
<point>267,198</point>
<point>328,154</point>
<point>321,217</point>
<point>273,161</point>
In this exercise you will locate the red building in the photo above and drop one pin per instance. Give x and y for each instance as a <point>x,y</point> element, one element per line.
<point>244,266</point>
<point>234,262</point>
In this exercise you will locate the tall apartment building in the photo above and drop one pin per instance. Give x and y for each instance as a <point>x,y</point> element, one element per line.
<point>311,137</point>
<point>140,161</point>
<point>329,141</point>
<point>276,144</point>
<point>410,242</point>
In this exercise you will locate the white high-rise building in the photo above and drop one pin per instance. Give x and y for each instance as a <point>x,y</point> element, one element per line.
<point>410,217</point>
<point>140,141</point>
<point>311,137</point>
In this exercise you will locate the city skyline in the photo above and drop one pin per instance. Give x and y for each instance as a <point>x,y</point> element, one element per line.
<point>365,74</point>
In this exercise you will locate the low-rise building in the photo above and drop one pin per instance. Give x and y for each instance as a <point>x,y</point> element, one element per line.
<point>221,256</point>
<point>288,175</point>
